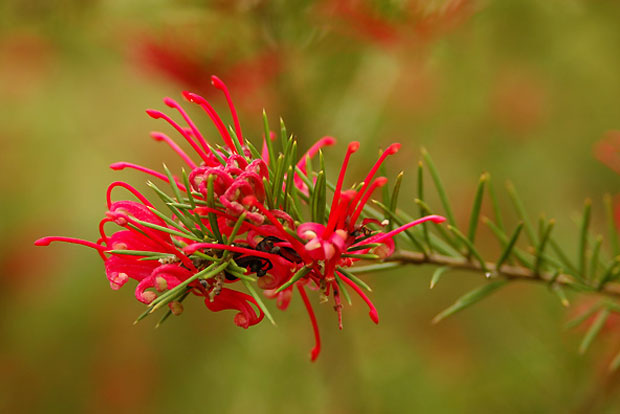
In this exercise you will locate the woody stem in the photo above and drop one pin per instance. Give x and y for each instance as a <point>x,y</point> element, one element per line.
<point>506,271</point>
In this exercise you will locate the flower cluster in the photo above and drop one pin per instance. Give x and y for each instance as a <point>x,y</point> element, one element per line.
<point>240,216</point>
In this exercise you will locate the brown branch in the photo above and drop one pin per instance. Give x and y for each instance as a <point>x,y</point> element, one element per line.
<point>506,271</point>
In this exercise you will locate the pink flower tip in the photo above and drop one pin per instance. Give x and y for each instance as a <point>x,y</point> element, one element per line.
<point>374,316</point>
<point>153,113</point>
<point>393,149</point>
<point>192,97</point>
<point>381,181</point>
<point>327,140</point>
<point>437,219</point>
<point>118,165</point>
<point>169,102</point>
<point>43,241</point>
<point>217,82</point>
<point>354,146</point>
<point>157,136</point>
<point>314,354</point>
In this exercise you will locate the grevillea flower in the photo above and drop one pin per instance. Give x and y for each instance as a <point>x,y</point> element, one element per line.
<point>238,217</point>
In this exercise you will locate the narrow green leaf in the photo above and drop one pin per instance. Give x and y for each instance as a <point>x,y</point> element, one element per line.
<point>450,240</point>
<point>138,253</point>
<point>217,155</point>
<point>364,256</point>
<point>437,275</point>
<point>421,198</point>
<point>236,142</point>
<point>288,188</point>
<point>503,239</point>
<point>206,273</point>
<point>354,278</point>
<point>166,230</point>
<point>594,330</point>
<point>267,132</point>
<point>408,233</point>
<point>277,180</point>
<point>579,319</point>
<point>583,238</point>
<point>540,249</point>
<point>570,267</point>
<point>394,198</point>
<point>283,136</point>
<point>475,211</point>
<point>496,209</point>
<point>255,153</point>
<point>268,189</point>
<point>192,203</point>
<point>318,199</point>
<point>609,273</point>
<point>518,205</point>
<point>375,267</point>
<point>175,187</point>
<point>298,275</point>
<point>259,301</point>
<point>561,294</point>
<point>438,242</point>
<point>211,202</point>
<point>509,247</point>
<point>343,289</point>
<point>237,226</point>
<point>470,298</point>
<point>169,312</point>
<point>594,259</point>
<point>615,363</point>
<point>439,187</point>
<point>611,224</point>
<point>172,223</point>
<point>470,246</point>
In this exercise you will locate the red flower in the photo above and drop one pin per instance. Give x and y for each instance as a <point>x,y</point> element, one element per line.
<point>236,215</point>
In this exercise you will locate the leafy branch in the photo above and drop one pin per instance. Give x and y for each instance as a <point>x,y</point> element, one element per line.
<point>528,251</point>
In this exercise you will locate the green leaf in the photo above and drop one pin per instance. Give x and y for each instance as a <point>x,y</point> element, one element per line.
<point>475,211</point>
<point>561,294</point>
<point>470,298</point>
<point>259,301</point>
<point>211,202</point>
<point>426,210</point>
<point>318,199</point>
<point>579,319</point>
<point>343,288</point>
<point>175,187</point>
<point>375,267</point>
<point>472,250</point>
<point>421,198</point>
<point>298,275</point>
<point>395,192</point>
<point>267,132</point>
<point>594,259</point>
<point>496,209</point>
<point>594,330</point>
<point>544,236</point>
<point>437,275</point>
<point>354,278</point>
<point>615,363</point>
<point>509,247</point>
<point>611,224</point>
<point>583,238</point>
<point>408,233</point>
<point>518,205</point>
<point>439,187</point>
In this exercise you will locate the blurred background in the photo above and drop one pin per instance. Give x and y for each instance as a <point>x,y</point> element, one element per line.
<point>526,90</point>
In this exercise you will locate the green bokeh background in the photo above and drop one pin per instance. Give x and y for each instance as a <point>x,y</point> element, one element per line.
<point>521,89</point>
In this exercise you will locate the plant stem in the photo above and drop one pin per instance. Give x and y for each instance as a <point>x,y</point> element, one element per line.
<point>507,272</point>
